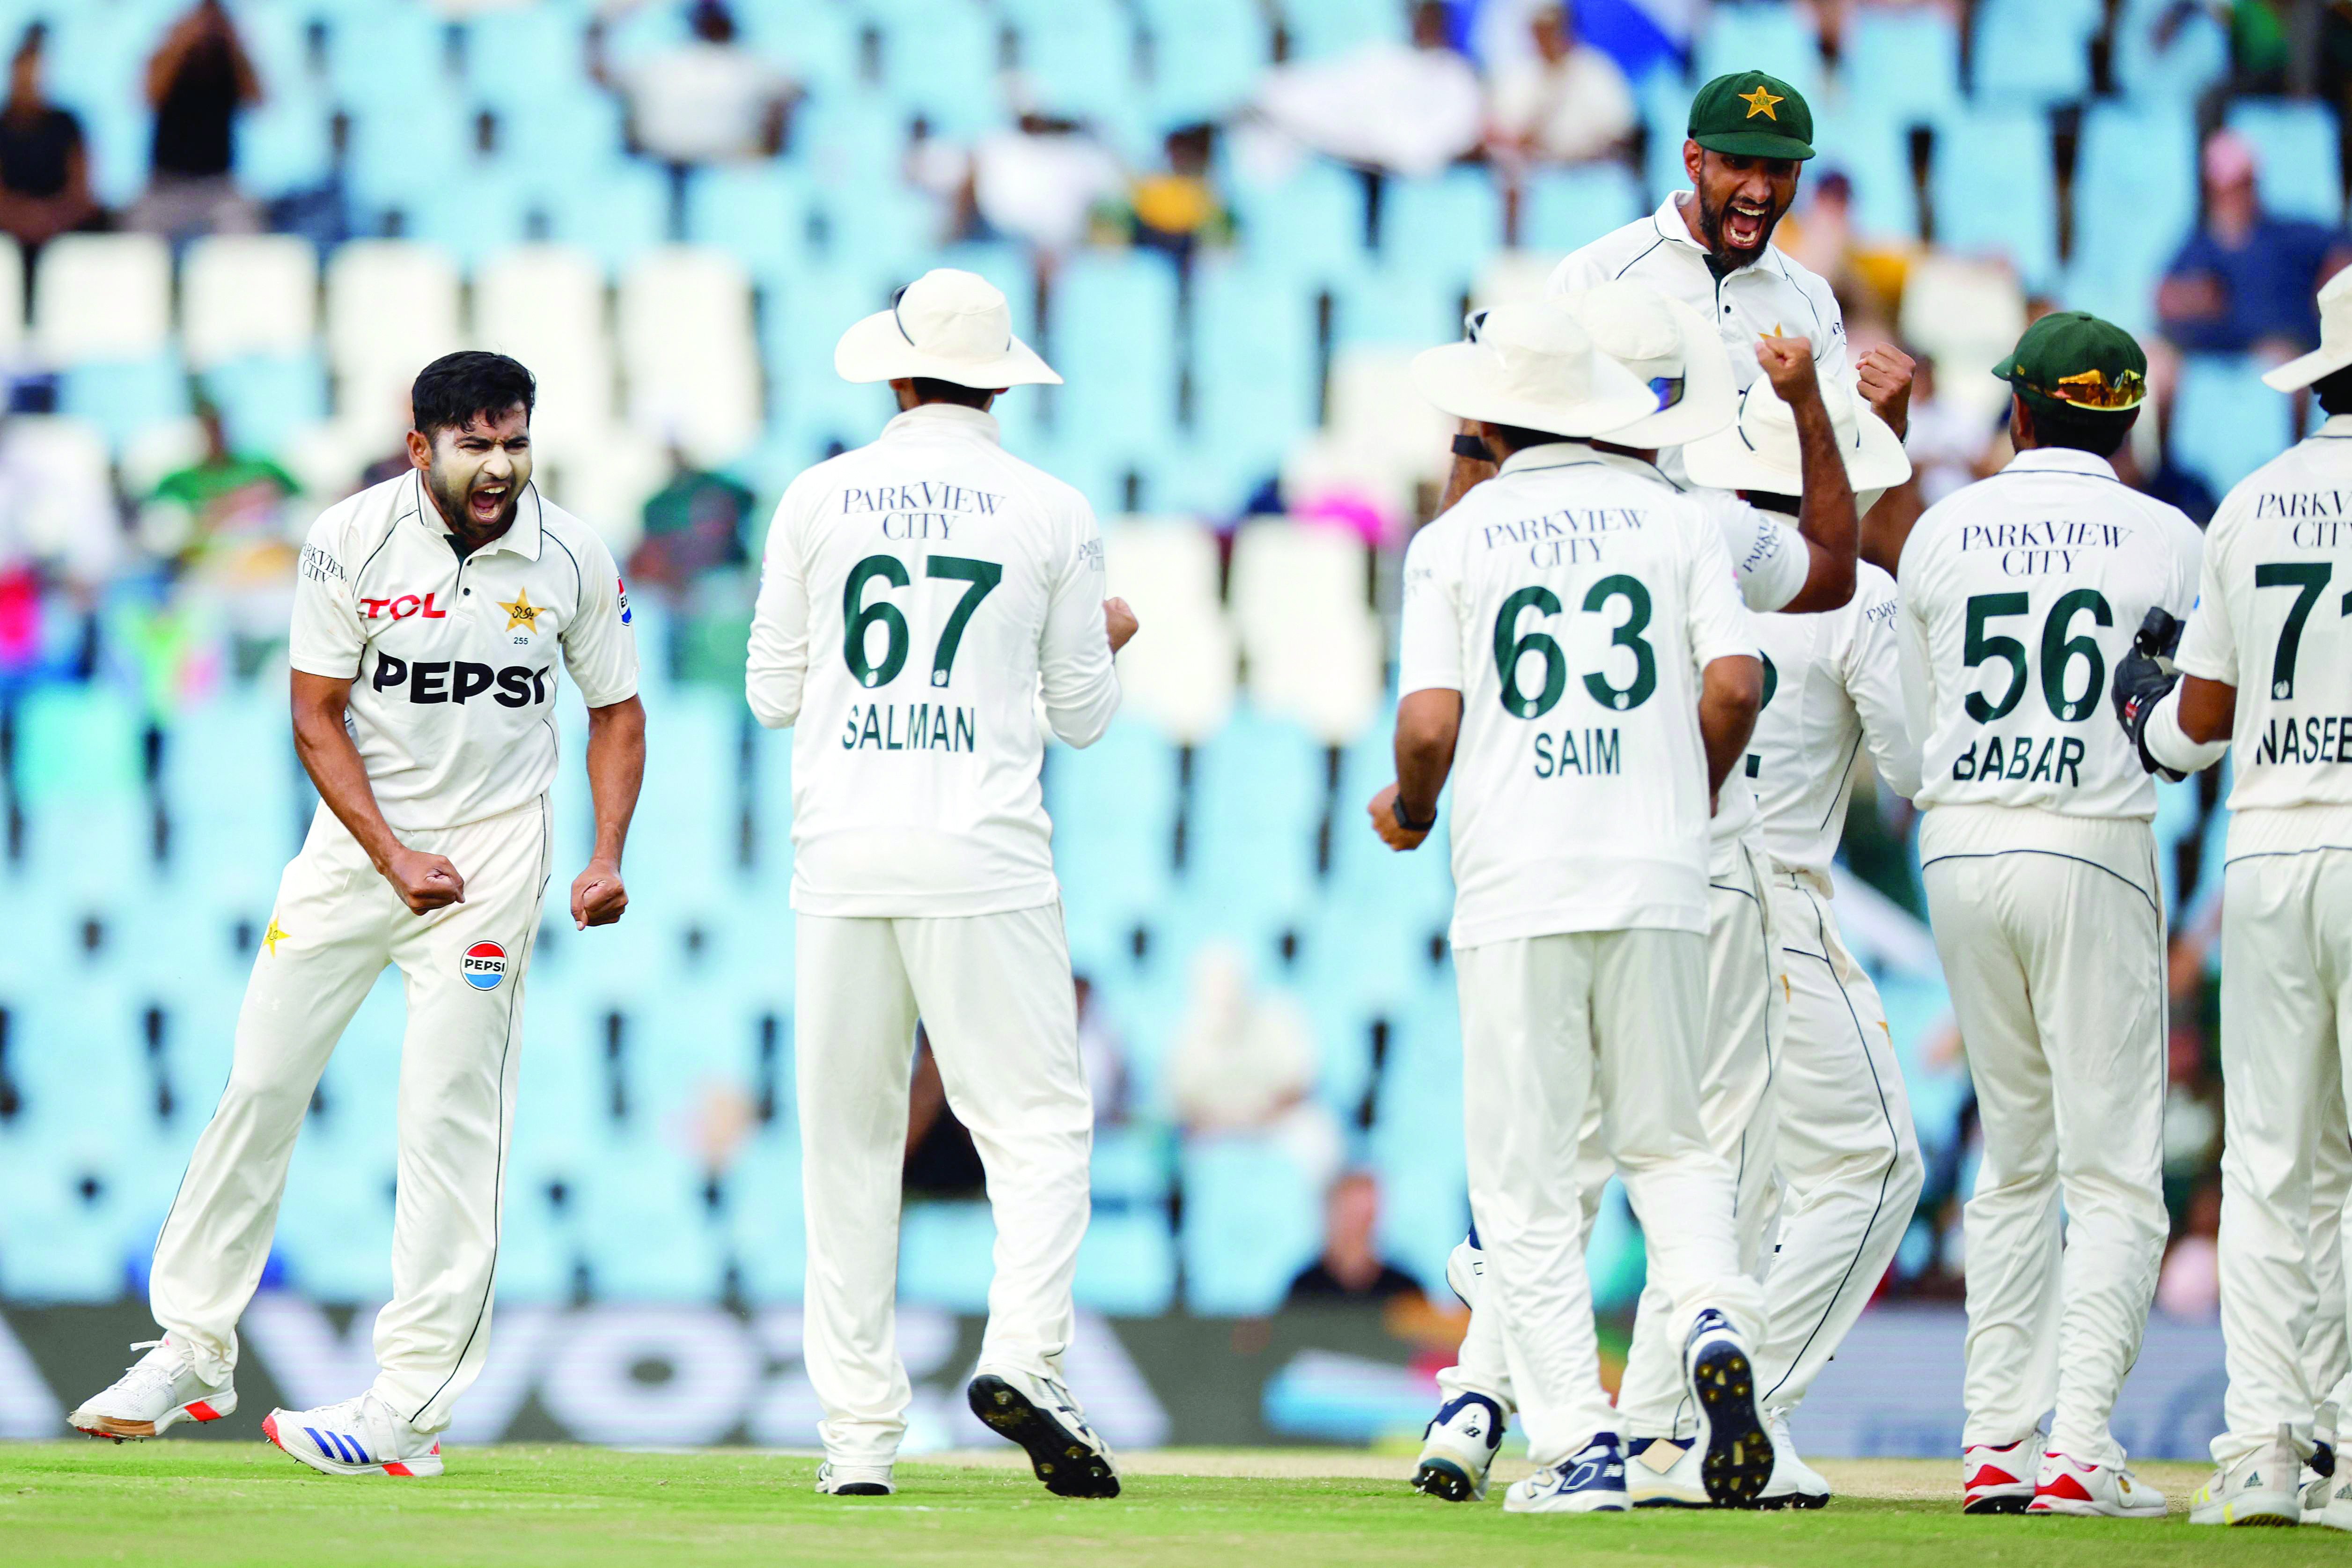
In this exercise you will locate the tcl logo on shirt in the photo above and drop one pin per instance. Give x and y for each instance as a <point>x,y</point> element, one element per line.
<point>459,679</point>
<point>400,607</point>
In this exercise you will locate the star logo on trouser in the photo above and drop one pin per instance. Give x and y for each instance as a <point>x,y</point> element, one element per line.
<point>1760,101</point>
<point>522,611</point>
<point>274,935</point>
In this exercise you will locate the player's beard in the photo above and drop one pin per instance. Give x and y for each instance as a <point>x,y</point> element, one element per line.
<point>456,506</point>
<point>1710,223</point>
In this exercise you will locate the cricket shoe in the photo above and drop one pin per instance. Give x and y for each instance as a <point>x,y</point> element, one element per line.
<point>2064,1484</point>
<point>1591,1482</point>
<point>2318,1480</point>
<point>1039,1413</point>
<point>1999,1480</point>
<point>1664,1472</point>
<point>1465,1269</point>
<point>1738,1461</point>
<point>854,1480</point>
<point>358,1437</point>
<point>158,1390</point>
<point>2335,1504</point>
<point>1794,1483</point>
<point>2262,1488</point>
<point>1458,1449</point>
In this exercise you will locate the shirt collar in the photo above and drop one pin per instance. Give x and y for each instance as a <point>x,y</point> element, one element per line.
<point>2062,460</point>
<point>522,538</point>
<point>945,417</point>
<point>2336,428</point>
<point>1569,453</point>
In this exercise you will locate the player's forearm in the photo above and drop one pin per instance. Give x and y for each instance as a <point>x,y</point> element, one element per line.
<point>1428,724</point>
<point>1826,516</point>
<point>1731,693</point>
<point>327,755</point>
<point>617,770</point>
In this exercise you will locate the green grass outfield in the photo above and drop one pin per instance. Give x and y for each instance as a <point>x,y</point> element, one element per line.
<point>206,1503</point>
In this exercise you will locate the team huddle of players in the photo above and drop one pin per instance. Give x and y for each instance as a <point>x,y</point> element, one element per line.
<point>1649,778</point>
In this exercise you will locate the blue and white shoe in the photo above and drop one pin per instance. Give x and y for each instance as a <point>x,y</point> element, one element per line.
<point>1465,1269</point>
<point>1665,1472</point>
<point>1592,1482</point>
<point>1458,1449</point>
<point>355,1438</point>
<point>1737,1458</point>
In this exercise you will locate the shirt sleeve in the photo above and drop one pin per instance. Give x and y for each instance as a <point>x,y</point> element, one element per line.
<point>2208,648</point>
<point>599,647</point>
<point>1918,669</point>
<point>1428,636</point>
<point>777,667</point>
<point>1769,556</point>
<point>1718,620</point>
<point>1076,677</point>
<point>1873,681</point>
<point>326,638</point>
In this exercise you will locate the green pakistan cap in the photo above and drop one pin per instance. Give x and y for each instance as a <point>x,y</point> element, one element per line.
<point>1751,115</point>
<point>2074,358</point>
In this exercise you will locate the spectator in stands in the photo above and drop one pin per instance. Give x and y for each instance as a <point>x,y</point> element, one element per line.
<point>1044,181</point>
<point>44,157</point>
<point>222,520</point>
<point>1866,275</point>
<point>196,83</point>
<point>1949,444</point>
<point>1178,208</point>
<point>708,100</point>
<point>1566,103</point>
<point>1404,108</point>
<point>694,525</point>
<point>1243,1062</point>
<point>2247,279</point>
<point>1351,1268</point>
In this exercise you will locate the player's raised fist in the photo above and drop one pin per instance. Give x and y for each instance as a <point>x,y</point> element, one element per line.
<point>1787,363</point>
<point>424,882</point>
<point>1120,621</point>
<point>598,896</point>
<point>1884,373</point>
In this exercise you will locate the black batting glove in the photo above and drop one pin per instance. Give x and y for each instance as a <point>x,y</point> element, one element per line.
<point>2143,677</point>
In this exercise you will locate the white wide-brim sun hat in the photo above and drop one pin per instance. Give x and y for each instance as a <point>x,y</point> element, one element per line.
<point>2334,349</point>
<point>946,325</point>
<point>1758,451</point>
<point>1671,348</point>
<point>1534,365</point>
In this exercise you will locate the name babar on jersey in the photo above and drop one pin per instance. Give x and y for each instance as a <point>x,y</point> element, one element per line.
<point>934,513</point>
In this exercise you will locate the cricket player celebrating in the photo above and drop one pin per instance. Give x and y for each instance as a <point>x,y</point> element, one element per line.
<point>920,595</point>
<point>2019,594</point>
<point>429,619</point>
<point>1573,634</point>
<point>1849,1162</point>
<point>2265,667</point>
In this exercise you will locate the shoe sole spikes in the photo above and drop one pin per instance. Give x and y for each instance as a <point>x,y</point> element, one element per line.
<point>1067,1467</point>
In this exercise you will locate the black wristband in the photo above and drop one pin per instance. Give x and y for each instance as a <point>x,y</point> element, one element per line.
<point>1396,809</point>
<point>1472,448</point>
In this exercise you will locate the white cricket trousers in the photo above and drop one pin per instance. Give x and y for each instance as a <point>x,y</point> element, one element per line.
<point>1552,1025</point>
<point>995,996</point>
<point>2052,933</point>
<point>2326,1351</point>
<point>1739,1034</point>
<point>1849,1157</point>
<point>2286,1011</point>
<point>336,924</point>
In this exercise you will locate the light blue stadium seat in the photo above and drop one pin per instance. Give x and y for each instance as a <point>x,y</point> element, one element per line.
<point>1563,209</point>
<point>1761,34</point>
<point>1665,98</point>
<point>125,397</point>
<point>1206,57</point>
<point>800,319</point>
<point>1309,226</point>
<point>1114,341</point>
<point>617,215</point>
<point>383,55</point>
<point>1447,225</point>
<point>1251,1221</point>
<point>265,400</point>
<point>514,52</point>
<point>2302,158</point>
<point>1258,794</point>
<point>567,139</point>
<point>2134,204</point>
<point>483,207</point>
<point>1079,56</point>
<point>944,1254</point>
<point>757,213</point>
<point>2034,53</point>
<point>1127,1265</point>
<point>817,39</point>
<point>285,143</point>
<point>651,1236</point>
<point>61,1240</point>
<point>939,59</point>
<point>1995,191</point>
<point>2225,422</point>
<point>1416,1137</point>
<point>689,815</point>
<point>1901,63</point>
<point>1322,28</point>
<point>1257,380</point>
<point>1397,307</point>
<point>403,151</point>
<point>1872,149</point>
<point>766,1220</point>
<point>2166,53</point>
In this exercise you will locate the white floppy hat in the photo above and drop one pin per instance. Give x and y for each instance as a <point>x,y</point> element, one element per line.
<point>948,325</point>
<point>2334,349</point>
<point>1533,364</point>
<point>1759,452</point>
<point>1671,348</point>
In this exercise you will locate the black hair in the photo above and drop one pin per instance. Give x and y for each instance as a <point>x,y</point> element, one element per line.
<point>930,389</point>
<point>2099,434</point>
<point>455,390</point>
<point>2335,391</point>
<point>1519,436</point>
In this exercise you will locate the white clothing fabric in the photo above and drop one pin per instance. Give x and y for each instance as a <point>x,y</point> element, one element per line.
<point>1570,111</point>
<point>702,102</point>
<point>452,660</point>
<point>1849,1156</point>
<point>1387,105</point>
<point>1553,1028</point>
<point>2051,932</point>
<point>2270,620</point>
<point>1579,779</point>
<point>916,592</point>
<point>1830,688</point>
<point>2326,1355</point>
<point>2020,595</point>
<point>1771,560</point>
<point>1040,188</point>
<point>995,998</point>
<point>335,926</point>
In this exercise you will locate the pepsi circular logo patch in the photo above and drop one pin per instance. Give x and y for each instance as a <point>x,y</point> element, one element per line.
<point>484,965</point>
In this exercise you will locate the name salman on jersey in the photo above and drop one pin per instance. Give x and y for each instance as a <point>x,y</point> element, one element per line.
<point>928,727</point>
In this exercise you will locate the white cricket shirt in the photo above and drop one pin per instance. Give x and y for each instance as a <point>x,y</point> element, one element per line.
<point>1572,600</point>
<point>452,661</point>
<point>1769,561</point>
<point>1830,688</point>
<point>916,592</point>
<point>2272,620</point>
<point>2021,593</point>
